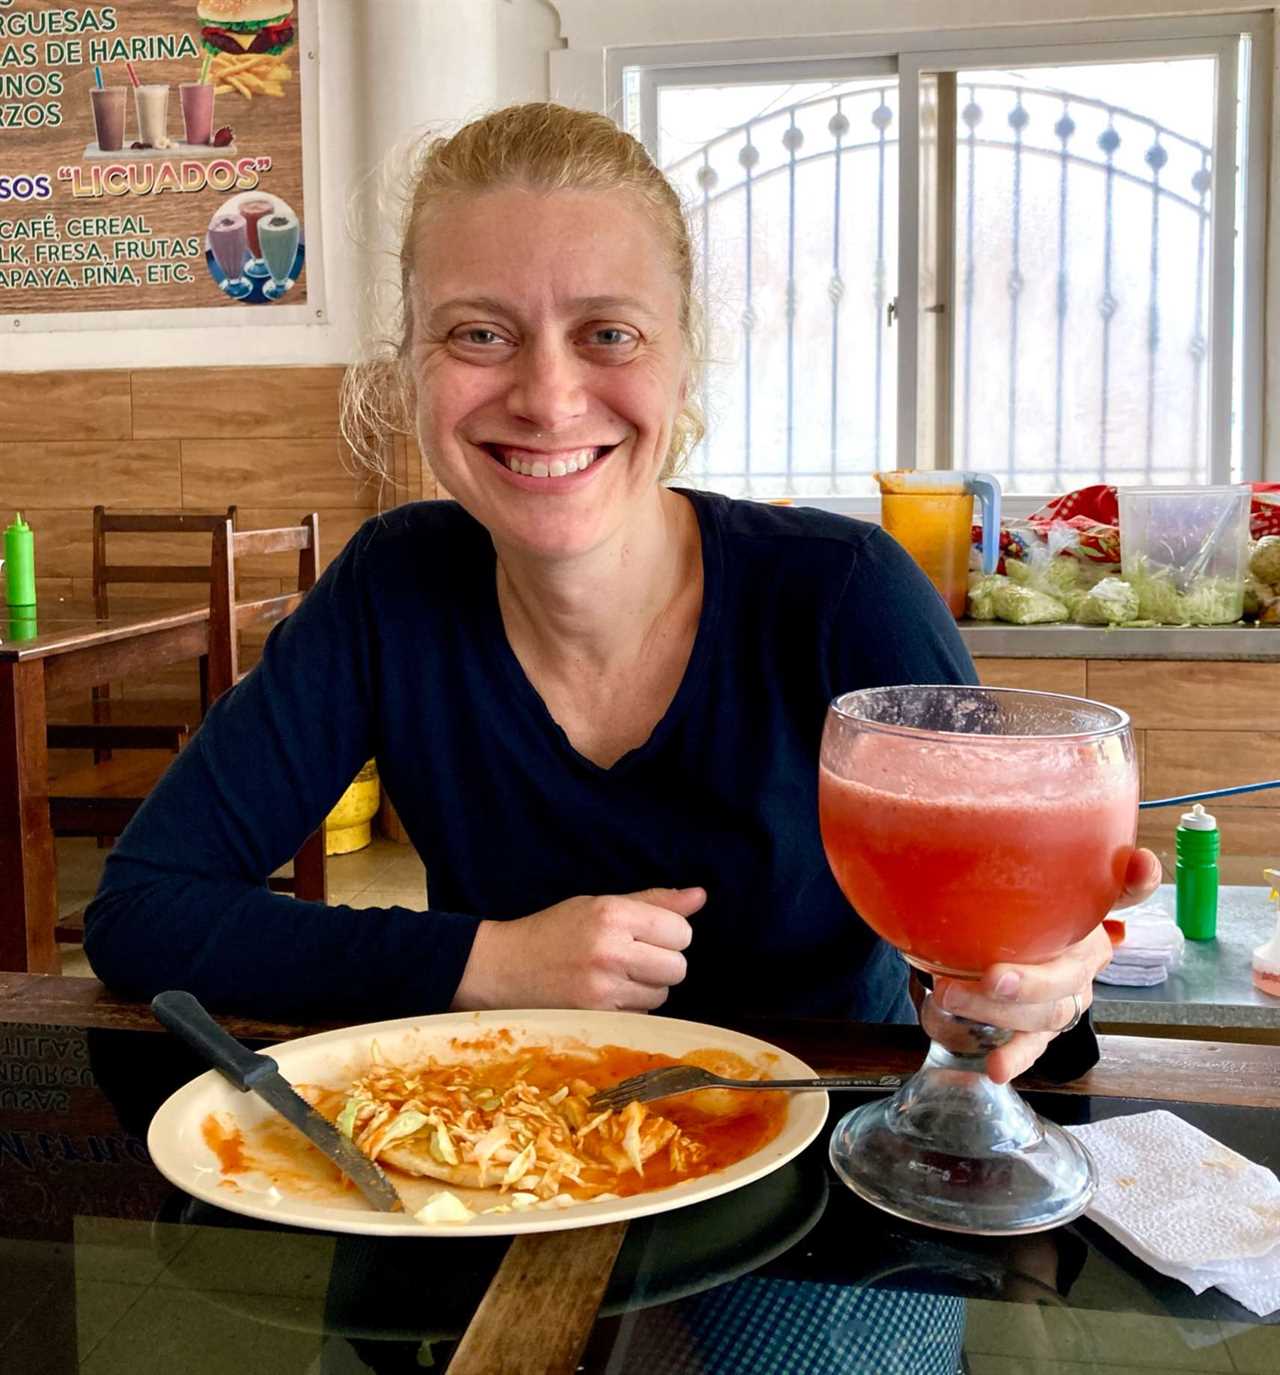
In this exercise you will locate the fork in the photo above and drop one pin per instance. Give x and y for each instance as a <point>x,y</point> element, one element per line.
<point>671,1080</point>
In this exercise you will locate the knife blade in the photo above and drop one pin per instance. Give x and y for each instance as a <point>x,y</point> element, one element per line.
<point>251,1071</point>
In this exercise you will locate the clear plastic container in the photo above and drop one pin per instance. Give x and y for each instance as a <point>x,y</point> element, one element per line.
<point>1185,550</point>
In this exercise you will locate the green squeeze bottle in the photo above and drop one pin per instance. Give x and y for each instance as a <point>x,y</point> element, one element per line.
<point>1196,874</point>
<point>19,564</point>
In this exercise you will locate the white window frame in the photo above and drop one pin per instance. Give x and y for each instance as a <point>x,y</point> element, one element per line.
<point>591,76</point>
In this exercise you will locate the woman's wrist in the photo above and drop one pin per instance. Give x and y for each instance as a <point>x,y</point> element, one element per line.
<point>476,991</point>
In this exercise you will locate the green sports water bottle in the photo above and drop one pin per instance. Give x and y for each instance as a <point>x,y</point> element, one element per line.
<point>1196,875</point>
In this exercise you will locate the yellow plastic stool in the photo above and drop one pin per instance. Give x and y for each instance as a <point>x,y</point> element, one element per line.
<point>349,826</point>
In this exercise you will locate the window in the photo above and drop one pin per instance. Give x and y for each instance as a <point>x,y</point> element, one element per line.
<point>1026,261</point>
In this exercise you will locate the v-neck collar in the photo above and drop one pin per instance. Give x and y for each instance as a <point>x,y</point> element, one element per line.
<point>692,682</point>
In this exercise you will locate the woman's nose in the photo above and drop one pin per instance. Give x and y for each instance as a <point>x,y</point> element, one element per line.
<point>548,388</point>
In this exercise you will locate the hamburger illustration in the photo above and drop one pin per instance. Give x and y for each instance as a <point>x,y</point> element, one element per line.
<point>246,26</point>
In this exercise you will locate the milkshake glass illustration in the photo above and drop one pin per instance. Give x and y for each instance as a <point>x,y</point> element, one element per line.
<point>107,103</point>
<point>278,235</point>
<point>151,104</point>
<point>197,110</point>
<point>229,241</point>
<point>255,209</point>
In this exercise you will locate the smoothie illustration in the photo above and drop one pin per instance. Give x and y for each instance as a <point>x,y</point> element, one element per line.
<point>254,210</point>
<point>151,103</point>
<point>108,116</point>
<point>197,110</point>
<point>229,243</point>
<point>278,236</point>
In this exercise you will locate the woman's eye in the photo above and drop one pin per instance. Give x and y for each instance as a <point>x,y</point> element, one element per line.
<point>612,336</point>
<point>478,335</point>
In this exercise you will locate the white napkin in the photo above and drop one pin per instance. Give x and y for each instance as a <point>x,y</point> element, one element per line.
<point>1152,946</point>
<point>1187,1205</point>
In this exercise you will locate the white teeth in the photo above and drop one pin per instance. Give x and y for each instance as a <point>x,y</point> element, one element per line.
<point>556,467</point>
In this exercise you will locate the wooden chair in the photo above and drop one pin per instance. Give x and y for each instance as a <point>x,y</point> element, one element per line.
<point>104,722</point>
<point>228,616</point>
<point>100,798</point>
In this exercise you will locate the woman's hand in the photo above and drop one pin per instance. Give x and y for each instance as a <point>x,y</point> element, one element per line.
<point>616,953</point>
<point>1036,1000</point>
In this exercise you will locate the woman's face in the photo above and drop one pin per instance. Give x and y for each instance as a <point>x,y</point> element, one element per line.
<point>549,363</point>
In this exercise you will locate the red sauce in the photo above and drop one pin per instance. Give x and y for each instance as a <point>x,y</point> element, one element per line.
<point>227,1143</point>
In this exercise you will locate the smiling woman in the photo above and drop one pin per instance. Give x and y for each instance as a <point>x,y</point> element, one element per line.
<point>594,698</point>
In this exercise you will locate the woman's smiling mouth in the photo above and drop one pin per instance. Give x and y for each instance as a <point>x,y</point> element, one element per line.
<point>543,463</point>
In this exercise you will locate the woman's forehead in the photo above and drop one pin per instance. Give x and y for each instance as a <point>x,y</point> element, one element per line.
<point>560,247</point>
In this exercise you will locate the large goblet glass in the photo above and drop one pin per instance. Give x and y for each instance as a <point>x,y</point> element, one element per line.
<point>972,826</point>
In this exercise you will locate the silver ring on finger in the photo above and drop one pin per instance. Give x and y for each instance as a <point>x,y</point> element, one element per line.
<point>1075,1020</point>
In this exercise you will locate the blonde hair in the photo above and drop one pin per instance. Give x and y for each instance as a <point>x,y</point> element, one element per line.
<point>538,147</point>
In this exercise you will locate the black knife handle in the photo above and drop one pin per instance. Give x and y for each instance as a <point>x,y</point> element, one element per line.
<point>185,1016</point>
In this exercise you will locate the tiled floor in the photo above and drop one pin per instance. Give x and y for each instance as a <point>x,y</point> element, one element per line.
<point>381,875</point>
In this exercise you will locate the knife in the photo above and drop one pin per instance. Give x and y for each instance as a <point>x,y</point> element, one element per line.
<point>185,1016</point>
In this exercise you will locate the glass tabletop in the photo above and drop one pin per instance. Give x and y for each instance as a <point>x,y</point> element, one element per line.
<point>64,620</point>
<point>105,1268</point>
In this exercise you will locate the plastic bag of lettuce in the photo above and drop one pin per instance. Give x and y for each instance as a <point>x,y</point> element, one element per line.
<point>1203,601</point>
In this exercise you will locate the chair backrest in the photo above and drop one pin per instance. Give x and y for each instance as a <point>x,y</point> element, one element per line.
<point>106,574</point>
<point>228,615</point>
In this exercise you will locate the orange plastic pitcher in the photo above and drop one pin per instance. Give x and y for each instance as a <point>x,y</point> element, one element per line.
<point>931,515</point>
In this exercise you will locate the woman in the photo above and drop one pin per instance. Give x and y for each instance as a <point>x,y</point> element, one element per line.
<point>596,701</point>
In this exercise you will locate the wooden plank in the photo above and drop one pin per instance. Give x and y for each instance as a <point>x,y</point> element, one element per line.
<point>79,404</point>
<point>1194,761</point>
<point>120,658</point>
<point>65,537</point>
<point>1189,695</point>
<point>298,474</point>
<point>38,477</point>
<point>1038,675</point>
<point>337,525</point>
<point>28,880</point>
<point>541,1305</point>
<point>239,404</point>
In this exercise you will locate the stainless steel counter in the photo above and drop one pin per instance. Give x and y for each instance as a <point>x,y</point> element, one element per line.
<point>995,640</point>
<point>1214,986</point>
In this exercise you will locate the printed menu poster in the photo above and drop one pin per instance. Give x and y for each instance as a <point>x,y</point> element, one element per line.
<point>150,156</point>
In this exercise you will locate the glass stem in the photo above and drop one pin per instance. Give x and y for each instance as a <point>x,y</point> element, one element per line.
<point>952,1092</point>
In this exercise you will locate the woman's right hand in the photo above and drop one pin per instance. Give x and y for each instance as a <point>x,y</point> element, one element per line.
<point>614,953</point>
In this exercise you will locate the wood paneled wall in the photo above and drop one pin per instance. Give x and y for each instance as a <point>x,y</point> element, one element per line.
<point>190,439</point>
<point>1197,724</point>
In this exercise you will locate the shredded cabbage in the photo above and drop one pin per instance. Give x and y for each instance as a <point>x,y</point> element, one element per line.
<point>982,588</point>
<point>1205,601</point>
<point>1026,606</point>
<point>1111,602</point>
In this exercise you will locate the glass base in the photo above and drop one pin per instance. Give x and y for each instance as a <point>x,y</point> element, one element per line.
<point>237,288</point>
<point>953,1150</point>
<point>277,289</point>
<point>257,269</point>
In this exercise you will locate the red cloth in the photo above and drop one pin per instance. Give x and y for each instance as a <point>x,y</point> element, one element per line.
<point>1094,512</point>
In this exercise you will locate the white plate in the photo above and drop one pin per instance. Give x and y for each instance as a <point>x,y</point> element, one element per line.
<point>332,1058</point>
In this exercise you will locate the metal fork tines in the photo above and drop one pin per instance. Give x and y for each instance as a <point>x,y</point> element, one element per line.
<point>671,1080</point>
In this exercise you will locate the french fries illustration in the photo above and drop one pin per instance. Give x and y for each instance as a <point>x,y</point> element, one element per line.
<point>250,74</point>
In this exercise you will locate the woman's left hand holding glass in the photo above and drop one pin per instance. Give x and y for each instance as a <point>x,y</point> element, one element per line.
<point>1039,1001</point>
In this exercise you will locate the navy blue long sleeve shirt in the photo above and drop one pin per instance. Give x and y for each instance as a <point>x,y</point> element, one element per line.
<point>399,653</point>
